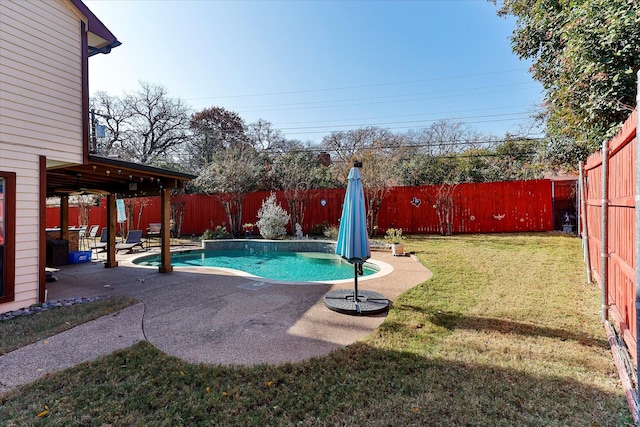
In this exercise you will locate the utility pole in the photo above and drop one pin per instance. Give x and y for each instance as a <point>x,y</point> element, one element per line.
<point>93,147</point>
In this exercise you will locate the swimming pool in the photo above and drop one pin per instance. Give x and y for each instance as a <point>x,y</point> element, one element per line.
<point>274,265</point>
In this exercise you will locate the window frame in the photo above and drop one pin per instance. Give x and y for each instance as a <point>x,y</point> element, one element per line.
<point>8,270</point>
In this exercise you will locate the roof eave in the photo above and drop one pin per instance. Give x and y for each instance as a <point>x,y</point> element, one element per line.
<point>142,167</point>
<point>104,39</point>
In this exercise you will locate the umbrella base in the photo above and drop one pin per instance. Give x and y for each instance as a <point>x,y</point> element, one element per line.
<point>368,302</point>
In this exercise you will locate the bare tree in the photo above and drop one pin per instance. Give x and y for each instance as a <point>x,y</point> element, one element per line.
<point>379,172</point>
<point>113,112</point>
<point>380,151</point>
<point>298,172</point>
<point>84,202</point>
<point>445,207</point>
<point>231,174</point>
<point>159,124</point>
<point>131,205</point>
<point>264,137</point>
<point>147,126</point>
<point>446,137</point>
<point>348,146</point>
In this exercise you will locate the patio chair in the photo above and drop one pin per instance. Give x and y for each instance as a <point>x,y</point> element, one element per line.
<point>102,244</point>
<point>82,231</point>
<point>134,238</point>
<point>154,230</point>
<point>89,236</point>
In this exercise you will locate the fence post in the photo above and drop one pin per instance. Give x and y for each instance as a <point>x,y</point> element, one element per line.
<point>553,204</point>
<point>637,236</point>
<point>605,223</point>
<point>583,222</point>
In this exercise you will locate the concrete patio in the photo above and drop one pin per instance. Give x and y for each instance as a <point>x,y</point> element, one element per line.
<point>202,315</point>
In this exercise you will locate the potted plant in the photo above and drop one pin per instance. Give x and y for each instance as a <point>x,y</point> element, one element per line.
<point>395,237</point>
<point>248,229</point>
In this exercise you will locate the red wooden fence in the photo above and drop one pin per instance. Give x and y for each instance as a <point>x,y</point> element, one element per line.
<point>620,226</point>
<point>517,206</point>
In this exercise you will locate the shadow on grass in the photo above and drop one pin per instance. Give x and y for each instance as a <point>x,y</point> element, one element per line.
<point>360,385</point>
<point>453,320</point>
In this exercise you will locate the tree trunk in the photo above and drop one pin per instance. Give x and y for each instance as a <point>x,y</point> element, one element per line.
<point>372,216</point>
<point>227,210</point>
<point>297,208</point>
<point>139,217</point>
<point>177,215</point>
<point>233,208</point>
<point>237,226</point>
<point>445,208</point>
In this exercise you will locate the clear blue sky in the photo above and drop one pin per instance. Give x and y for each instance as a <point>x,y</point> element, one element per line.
<point>312,67</point>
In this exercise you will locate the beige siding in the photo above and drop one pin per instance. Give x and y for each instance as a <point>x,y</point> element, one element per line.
<point>41,114</point>
<point>27,226</point>
<point>41,78</point>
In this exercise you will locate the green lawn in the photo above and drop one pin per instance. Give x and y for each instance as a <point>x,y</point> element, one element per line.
<point>21,331</point>
<point>506,333</point>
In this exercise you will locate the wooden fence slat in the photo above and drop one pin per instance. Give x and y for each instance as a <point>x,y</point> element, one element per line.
<point>520,206</point>
<point>621,215</point>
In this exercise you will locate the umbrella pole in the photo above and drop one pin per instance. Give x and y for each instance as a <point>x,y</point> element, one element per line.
<point>355,281</point>
<point>355,284</point>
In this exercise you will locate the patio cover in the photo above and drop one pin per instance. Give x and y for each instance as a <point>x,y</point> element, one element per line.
<point>115,178</point>
<point>107,175</point>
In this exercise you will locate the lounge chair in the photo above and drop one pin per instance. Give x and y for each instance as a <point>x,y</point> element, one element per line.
<point>134,238</point>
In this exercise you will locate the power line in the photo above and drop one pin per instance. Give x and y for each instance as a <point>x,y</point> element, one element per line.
<point>482,143</point>
<point>404,115</point>
<point>450,143</point>
<point>357,86</point>
<point>413,127</point>
<point>399,122</point>
<point>303,130</point>
<point>356,104</point>
<point>453,91</point>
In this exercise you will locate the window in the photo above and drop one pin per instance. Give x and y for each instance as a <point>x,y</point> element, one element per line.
<point>7,235</point>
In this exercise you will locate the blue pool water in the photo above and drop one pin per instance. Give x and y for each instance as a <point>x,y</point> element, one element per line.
<point>285,266</point>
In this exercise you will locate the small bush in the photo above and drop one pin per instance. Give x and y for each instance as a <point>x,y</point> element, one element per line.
<point>331,233</point>
<point>272,219</point>
<point>394,235</point>
<point>219,233</point>
<point>319,229</point>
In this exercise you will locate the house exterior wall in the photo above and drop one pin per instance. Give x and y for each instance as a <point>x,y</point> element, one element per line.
<point>41,114</point>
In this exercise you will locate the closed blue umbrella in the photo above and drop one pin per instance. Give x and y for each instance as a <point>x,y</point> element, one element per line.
<point>353,239</point>
<point>353,246</point>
